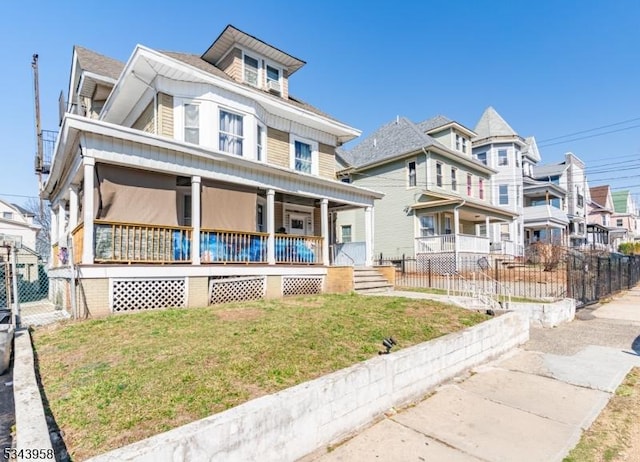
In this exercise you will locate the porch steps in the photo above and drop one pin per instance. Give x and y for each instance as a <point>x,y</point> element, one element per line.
<point>367,280</point>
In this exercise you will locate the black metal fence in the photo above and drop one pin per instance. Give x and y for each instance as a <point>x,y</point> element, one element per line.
<point>584,277</point>
<point>592,278</point>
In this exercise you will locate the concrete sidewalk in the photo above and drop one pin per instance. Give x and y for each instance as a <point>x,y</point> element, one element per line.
<point>531,405</point>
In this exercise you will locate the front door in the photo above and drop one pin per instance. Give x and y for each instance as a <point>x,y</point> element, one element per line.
<point>298,224</point>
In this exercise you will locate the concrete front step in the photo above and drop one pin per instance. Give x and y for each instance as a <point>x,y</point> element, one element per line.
<point>369,280</point>
<point>372,285</point>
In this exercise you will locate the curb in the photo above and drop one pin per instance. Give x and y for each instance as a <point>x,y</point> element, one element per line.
<point>32,432</point>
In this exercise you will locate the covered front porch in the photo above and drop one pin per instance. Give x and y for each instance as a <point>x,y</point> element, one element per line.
<point>447,224</point>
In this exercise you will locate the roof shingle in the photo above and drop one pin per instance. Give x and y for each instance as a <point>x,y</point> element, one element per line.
<point>98,64</point>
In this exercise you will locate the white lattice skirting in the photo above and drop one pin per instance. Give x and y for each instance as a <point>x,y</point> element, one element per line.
<point>147,294</point>
<point>237,289</point>
<point>301,285</point>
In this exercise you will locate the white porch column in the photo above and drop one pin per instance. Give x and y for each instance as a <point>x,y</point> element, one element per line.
<point>271,227</point>
<point>324,230</point>
<point>368,237</point>
<point>195,219</point>
<point>87,211</point>
<point>73,207</point>
<point>54,234</point>
<point>62,223</point>
<point>487,223</point>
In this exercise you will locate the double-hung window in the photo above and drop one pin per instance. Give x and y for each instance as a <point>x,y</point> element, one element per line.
<point>302,157</point>
<point>411,174</point>
<point>469,184</point>
<point>503,194</point>
<point>503,158</point>
<point>480,188</point>
<point>481,157</point>
<point>231,133</point>
<point>427,226</point>
<point>192,123</point>
<point>251,70</point>
<point>454,180</point>
<point>439,174</point>
<point>346,234</point>
<point>273,78</point>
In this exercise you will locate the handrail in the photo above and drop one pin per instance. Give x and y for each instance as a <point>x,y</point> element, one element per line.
<point>140,225</point>
<point>340,252</point>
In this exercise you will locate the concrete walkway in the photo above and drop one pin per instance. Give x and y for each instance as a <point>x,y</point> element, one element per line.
<point>531,405</point>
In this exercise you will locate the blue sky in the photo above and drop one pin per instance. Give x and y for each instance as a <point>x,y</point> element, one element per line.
<point>550,68</point>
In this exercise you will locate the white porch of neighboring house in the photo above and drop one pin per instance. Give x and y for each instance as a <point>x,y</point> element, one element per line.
<point>141,209</point>
<point>544,219</point>
<point>446,224</point>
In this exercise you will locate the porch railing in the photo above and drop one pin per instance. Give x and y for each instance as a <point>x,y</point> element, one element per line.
<point>141,243</point>
<point>447,243</point>
<point>298,249</point>
<point>218,246</point>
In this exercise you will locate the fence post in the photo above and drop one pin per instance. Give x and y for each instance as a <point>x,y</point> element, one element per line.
<point>597,291</point>
<point>569,288</point>
<point>403,270</point>
<point>497,274</point>
<point>429,273</point>
<point>609,273</point>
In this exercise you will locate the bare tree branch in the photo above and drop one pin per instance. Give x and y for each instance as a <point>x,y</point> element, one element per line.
<point>42,218</point>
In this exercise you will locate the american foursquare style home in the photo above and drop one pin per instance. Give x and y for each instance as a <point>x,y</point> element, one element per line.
<point>182,179</point>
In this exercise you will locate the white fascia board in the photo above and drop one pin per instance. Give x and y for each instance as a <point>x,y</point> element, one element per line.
<point>75,123</point>
<point>279,108</point>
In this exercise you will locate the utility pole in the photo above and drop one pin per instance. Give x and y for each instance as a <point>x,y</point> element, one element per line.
<point>39,154</point>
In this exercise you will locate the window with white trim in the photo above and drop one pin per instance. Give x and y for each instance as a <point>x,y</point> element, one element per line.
<point>505,234</point>
<point>260,142</point>
<point>192,123</point>
<point>427,226</point>
<point>469,184</point>
<point>411,174</point>
<point>503,194</point>
<point>481,157</point>
<point>251,67</point>
<point>438,174</point>
<point>304,155</point>
<point>503,158</point>
<point>7,215</point>
<point>619,222</point>
<point>480,188</point>
<point>231,132</point>
<point>454,180</point>
<point>346,233</point>
<point>273,78</point>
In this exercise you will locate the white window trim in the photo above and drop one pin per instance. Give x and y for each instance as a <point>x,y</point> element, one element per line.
<point>258,58</point>
<point>244,136</point>
<point>280,70</point>
<point>314,153</point>
<point>184,119</point>
<point>263,141</point>
<point>407,162</point>
<point>288,209</point>
<point>418,229</point>
<point>179,118</point>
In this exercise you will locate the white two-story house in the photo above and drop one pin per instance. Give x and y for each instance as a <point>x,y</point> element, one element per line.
<point>181,179</point>
<point>498,145</point>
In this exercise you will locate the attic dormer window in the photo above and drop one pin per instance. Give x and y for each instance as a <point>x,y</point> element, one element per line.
<point>251,70</point>
<point>273,79</point>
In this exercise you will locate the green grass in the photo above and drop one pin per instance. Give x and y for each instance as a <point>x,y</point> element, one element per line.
<point>614,434</point>
<point>117,380</point>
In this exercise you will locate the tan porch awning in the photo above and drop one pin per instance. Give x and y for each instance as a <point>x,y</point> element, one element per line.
<point>468,205</point>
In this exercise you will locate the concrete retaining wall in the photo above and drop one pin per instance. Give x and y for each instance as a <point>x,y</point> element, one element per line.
<point>296,421</point>
<point>31,424</point>
<point>547,314</point>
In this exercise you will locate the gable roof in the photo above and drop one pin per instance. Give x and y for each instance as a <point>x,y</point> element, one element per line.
<point>433,122</point>
<point>620,201</point>
<point>393,139</point>
<point>491,124</point>
<point>531,149</point>
<point>599,195</point>
<point>97,63</point>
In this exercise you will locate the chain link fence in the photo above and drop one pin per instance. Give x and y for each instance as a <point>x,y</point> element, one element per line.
<point>26,284</point>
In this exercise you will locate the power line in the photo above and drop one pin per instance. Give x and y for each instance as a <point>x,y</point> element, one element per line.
<point>589,136</point>
<point>590,130</point>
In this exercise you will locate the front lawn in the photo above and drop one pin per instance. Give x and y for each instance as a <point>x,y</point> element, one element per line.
<point>114,381</point>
